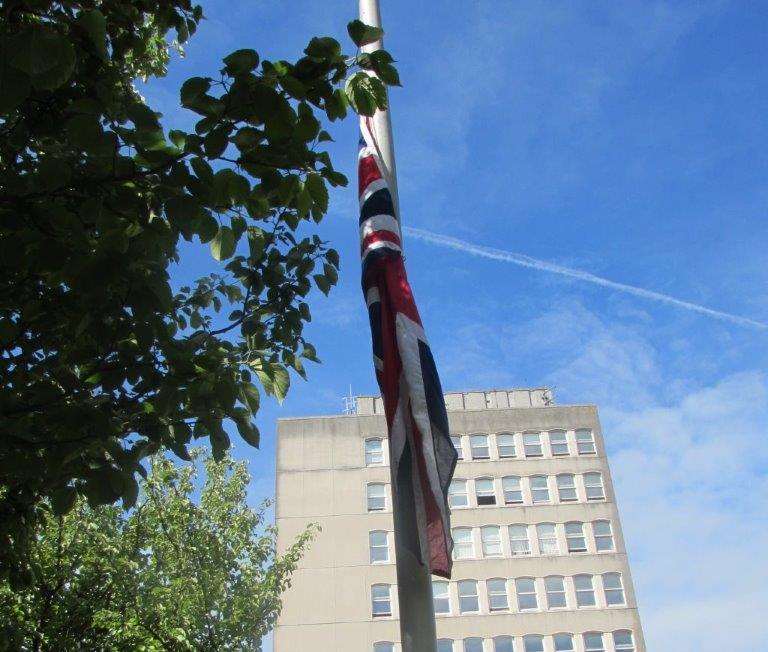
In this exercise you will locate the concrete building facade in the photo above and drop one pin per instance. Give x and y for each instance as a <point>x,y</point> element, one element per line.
<point>540,562</point>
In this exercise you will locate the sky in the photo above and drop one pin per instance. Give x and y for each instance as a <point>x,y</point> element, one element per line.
<point>584,186</point>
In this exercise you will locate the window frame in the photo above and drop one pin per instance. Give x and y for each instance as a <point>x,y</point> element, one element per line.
<point>533,489</point>
<point>553,445</point>
<point>561,591</point>
<point>372,547</point>
<point>447,597</point>
<point>623,647</point>
<point>587,646</point>
<point>588,486</point>
<point>460,448</point>
<point>585,446</point>
<point>519,490</point>
<point>514,539</point>
<point>570,488</point>
<point>573,536</point>
<point>465,493</point>
<point>383,497</point>
<point>485,496</point>
<point>614,590</point>
<point>553,538</point>
<point>485,544</point>
<point>497,593</point>
<point>469,596</point>
<point>538,445</point>
<point>610,536</point>
<point>588,591</point>
<point>387,600</point>
<point>519,594</point>
<point>366,452</point>
<point>512,445</point>
<point>471,543</point>
<point>486,447</point>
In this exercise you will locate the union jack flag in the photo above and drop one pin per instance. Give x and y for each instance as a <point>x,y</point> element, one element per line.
<point>422,456</point>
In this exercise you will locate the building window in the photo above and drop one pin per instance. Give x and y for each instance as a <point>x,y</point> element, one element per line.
<point>479,447</point>
<point>533,643</point>
<point>374,452</point>
<point>513,495</point>
<point>593,484</point>
<point>503,644</point>
<point>518,540</point>
<point>506,445</point>
<point>593,642</point>
<point>539,489</point>
<point>547,536</point>
<point>585,590</point>
<point>532,444</point>
<point>444,645</point>
<point>484,491</point>
<point>381,604</point>
<point>603,536</point>
<point>555,588</point>
<point>574,536</point>
<point>378,544</point>
<point>377,497</point>
<point>490,535</point>
<point>614,589</point>
<point>623,641</point>
<point>526,593</point>
<point>468,601</point>
<point>473,644</point>
<point>463,546</point>
<point>456,441</point>
<point>497,595</point>
<point>563,643</point>
<point>585,442</point>
<point>440,597</point>
<point>383,646</point>
<point>457,493</point>
<point>558,443</point>
<point>566,488</point>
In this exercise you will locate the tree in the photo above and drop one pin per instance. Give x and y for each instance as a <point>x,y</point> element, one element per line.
<point>102,363</point>
<point>171,575</point>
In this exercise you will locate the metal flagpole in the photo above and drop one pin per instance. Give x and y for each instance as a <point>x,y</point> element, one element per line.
<point>414,583</point>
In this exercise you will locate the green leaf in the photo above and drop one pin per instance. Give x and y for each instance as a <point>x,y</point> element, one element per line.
<point>216,142</point>
<point>14,84</point>
<point>247,430</point>
<point>317,190</point>
<point>223,245</point>
<point>63,500</point>
<point>322,283</point>
<point>281,381</point>
<point>47,57</point>
<point>241,62</point>
<point>362,34</point>
<point>249,395</point>
<point>366,93</point>
<point>193,89</point>
<point>95,25</point>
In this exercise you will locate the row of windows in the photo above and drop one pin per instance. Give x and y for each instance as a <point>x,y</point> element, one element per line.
<point>515,490</point>
<point>516,540</point>
<point>528,490</point>
<point>619,641</point>
<point>520,594</point>
<point>505,445</point>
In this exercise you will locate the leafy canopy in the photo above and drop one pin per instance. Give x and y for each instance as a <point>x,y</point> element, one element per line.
<point>102,363</point>
<point>172,575</point>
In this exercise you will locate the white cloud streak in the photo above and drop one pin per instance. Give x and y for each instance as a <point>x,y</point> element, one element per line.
<point>545,266</point>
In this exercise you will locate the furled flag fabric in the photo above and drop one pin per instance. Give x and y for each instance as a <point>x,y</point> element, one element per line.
<point>422,456</point>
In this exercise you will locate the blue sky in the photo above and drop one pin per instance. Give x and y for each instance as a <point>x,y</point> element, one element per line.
<point>624,139</point>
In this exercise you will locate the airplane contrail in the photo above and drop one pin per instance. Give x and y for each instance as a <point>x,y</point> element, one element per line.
<point>545,266</point>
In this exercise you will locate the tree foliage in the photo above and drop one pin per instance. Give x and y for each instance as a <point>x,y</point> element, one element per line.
<point>102,362</point>
<point>171,575</point>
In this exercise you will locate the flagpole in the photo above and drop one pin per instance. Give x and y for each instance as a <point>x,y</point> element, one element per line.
<point>414,583</point>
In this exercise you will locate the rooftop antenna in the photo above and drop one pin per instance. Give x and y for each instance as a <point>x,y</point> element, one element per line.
<point>350,403</point>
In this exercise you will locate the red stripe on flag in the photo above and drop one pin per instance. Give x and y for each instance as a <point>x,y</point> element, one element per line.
<point>378,236</point>
<point>368,172</point>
